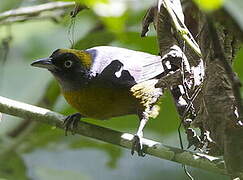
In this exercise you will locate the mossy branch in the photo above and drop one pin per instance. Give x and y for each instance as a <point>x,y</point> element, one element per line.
<point>125,140</point>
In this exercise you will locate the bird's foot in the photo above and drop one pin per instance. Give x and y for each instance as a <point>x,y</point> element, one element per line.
<point>71,123</point>
<point>137,145</point>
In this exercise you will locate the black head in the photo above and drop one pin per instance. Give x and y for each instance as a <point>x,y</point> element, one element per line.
<point>67,65</point>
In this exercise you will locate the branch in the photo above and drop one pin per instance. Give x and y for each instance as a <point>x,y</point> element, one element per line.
<point>219,53</point>
<point>181,27</point>
<point>233,127</point>
<point>25,13</point>
<point>55,16</point>
<point>185,67</point>
<point>153,148</point>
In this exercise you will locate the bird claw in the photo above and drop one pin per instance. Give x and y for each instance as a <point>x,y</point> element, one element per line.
<point>137,145</point>
<point>71,123</point>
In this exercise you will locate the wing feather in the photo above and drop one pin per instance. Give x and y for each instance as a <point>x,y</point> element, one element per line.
<point>122,65</point>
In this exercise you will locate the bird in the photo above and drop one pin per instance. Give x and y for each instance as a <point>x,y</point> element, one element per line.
<point>104,82</point>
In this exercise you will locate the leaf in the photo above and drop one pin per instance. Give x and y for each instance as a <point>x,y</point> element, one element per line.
<point>234,7</point>
<point>209,5</point>
<point>238,64</point>
<point>12,167</point>
<point>133,40</point>
<point>114,153</point>
<point>98,38</point>
<point>115,24</point>
<point>6,5</point>
<point>42,136</point>
<point>89,2</point>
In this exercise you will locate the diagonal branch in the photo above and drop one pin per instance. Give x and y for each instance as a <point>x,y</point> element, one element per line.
<point>153,148</point>
<point>34,12</point>
<point>178,23</point>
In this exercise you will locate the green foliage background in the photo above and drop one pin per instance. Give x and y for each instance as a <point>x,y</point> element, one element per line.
<point>44,152</point>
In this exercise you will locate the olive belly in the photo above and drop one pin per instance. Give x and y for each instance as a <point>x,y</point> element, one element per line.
<point>103,103</point>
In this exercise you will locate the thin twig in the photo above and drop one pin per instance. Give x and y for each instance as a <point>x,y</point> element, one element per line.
<point>33,11</point>
<point>153,148</point>
<point>54,16</point>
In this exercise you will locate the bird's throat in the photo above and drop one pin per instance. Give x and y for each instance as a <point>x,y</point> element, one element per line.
<point>72,82</point>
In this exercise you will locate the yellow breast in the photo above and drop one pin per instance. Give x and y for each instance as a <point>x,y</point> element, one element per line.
<point>102,102</point>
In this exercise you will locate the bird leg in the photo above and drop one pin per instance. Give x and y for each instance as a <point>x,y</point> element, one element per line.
<point>71,122</point>
<point>137,139</point>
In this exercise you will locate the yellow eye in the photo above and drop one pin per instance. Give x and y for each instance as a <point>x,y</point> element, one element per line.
<point>68,63</point>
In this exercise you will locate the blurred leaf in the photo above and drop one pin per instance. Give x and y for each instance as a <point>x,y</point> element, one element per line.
<point>135,18</point>
<point>238,64</point>
<point>133,40</point>
<point>97,38</point>
<point>115,24</point>
<point>113,15</point>
<point>52,138</point>
<point>209,5</point>
<point>42,136</point>
<point>7,5</point>
<point>113,152</point>
<point>168,120</point>
<point>89,2</point>
<point>234,7</point>
<point>92,2</point>
<point>12,167</point>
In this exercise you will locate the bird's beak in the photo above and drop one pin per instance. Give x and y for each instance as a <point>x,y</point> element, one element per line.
<point>44,63</point>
